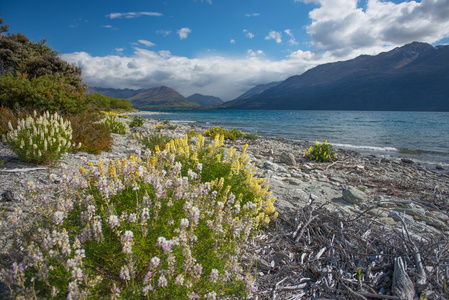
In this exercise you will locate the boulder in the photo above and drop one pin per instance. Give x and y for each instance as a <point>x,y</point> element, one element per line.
<point>288,159</point>
<point>353,196</point>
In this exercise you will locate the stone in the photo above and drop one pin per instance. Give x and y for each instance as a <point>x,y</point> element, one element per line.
<point>268,165</point>
<point>413,210</point>
<point>337,179</point>
<point>439,167</point>
<point>378,198</point>
<point>288,159</point>
<point>398,216</point>
<point>433,222</point>
<point>354,196</point>
<point>378,212</point>
<point>407,161</point>
<point>439,215</point>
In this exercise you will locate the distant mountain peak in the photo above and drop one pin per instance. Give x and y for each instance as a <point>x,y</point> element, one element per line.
<point>205,100</point>
<point>412,77</point>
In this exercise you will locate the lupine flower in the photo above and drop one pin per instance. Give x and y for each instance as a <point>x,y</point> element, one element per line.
<point>179,280</point>
<point>211,296</point>
<point>162,282</point>
<point>124,273</point>
<point>155,262</point>
<point>214,275</point>
<point>113,221</point>
<point>127,242</point>
<point>184,223</point>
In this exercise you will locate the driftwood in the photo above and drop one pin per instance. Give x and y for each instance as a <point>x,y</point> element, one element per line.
<point>330,255</point>
<point>22,170</point>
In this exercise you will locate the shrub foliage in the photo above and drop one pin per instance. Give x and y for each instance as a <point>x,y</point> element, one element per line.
<point>46,93</point>
<point>40,138</point>
<point>153,226</point>
<point>321,152</point>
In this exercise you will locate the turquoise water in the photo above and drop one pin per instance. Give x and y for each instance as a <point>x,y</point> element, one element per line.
<point>422,136</point>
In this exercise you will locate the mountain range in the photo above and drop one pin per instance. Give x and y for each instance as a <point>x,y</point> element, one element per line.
<point>156,98</point>
<point>414,77</point>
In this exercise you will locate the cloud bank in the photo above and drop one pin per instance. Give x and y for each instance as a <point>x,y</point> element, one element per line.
<point>338,30</point>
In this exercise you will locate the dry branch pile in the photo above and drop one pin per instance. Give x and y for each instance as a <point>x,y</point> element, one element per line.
<point>330,255</point>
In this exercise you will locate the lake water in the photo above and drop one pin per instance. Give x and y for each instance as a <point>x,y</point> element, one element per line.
<point>423,136</point>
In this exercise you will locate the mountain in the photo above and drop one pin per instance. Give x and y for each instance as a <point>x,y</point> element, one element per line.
<point>161,97</point>
<point>413,77</point>
<point>257,89</point>
<point>114,93</point>
<point>205,100</point>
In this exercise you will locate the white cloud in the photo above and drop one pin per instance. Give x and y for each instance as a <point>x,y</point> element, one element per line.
<point>223,77</point>
<point>163,32</point>
<point>292,40</point>
<point>146,43</point>
<point>232,41</point>
<point>119,50</point>
<point>274,35</point>
<point>342,27</point>
<point>248,34</point>
<point>252,15</point>
<point>131,15</point>
<point>184,32</point>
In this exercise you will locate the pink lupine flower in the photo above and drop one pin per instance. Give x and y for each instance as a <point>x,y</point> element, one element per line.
<point>162,282</point>
<point>127,242</point>
<point>179,280</point>
<point>124,273</point>
<point>113,221</point>
<point>211,296</point>
<point>214,275</point>
<point>184,223</point>
<point>155,262</point>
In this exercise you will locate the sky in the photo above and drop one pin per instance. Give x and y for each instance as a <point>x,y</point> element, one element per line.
<point>219,47</point>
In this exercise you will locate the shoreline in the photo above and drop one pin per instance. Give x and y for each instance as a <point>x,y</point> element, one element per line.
<point>368,188</point>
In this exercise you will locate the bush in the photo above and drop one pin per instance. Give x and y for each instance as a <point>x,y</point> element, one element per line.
<point>230,134</point>
<point>40,139</point>
<point>46,93</point>
<point>144,227</point>
<point>94,137</point>
<point>137,121</point>
<point>321,152</point>
<point>115,124</point>
<point>151,140</point>
<point>105,103</point>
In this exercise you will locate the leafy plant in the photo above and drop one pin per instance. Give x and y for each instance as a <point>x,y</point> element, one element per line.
<point>115,124</point>
<point>137,121</point>
<point>94,137</point>
<point>321,152</point>
<point>2,163</point>
<point>143,227</point>
<point>45,93</point>
<point>251,136</point>
<point>40,138</point>
<point>151,140</point>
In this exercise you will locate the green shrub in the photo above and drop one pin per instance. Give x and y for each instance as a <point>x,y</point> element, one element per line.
<point>152,139</point>
<point>145,227</point>
<point>40,139</point>
<point>321,152</point>
<point>115,124</point>
<point>105,103</point>
<point>94,137</point>
<point>46,93</point>
<point>137,121</point>
<point>251,136</point>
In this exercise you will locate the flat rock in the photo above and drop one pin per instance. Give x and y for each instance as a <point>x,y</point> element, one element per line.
<point>353,196</point>
<point>287,158</point>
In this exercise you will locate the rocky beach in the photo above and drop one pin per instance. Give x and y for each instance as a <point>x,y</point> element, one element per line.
<point>377,226</point>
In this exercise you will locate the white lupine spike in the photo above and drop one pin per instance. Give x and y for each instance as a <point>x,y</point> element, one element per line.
<point>10,126</point>
<point>45,145</point>
<point>69,144</point>
<point>31,141</point>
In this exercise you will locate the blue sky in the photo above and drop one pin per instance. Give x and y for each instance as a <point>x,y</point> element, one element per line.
<point>220,47</point>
